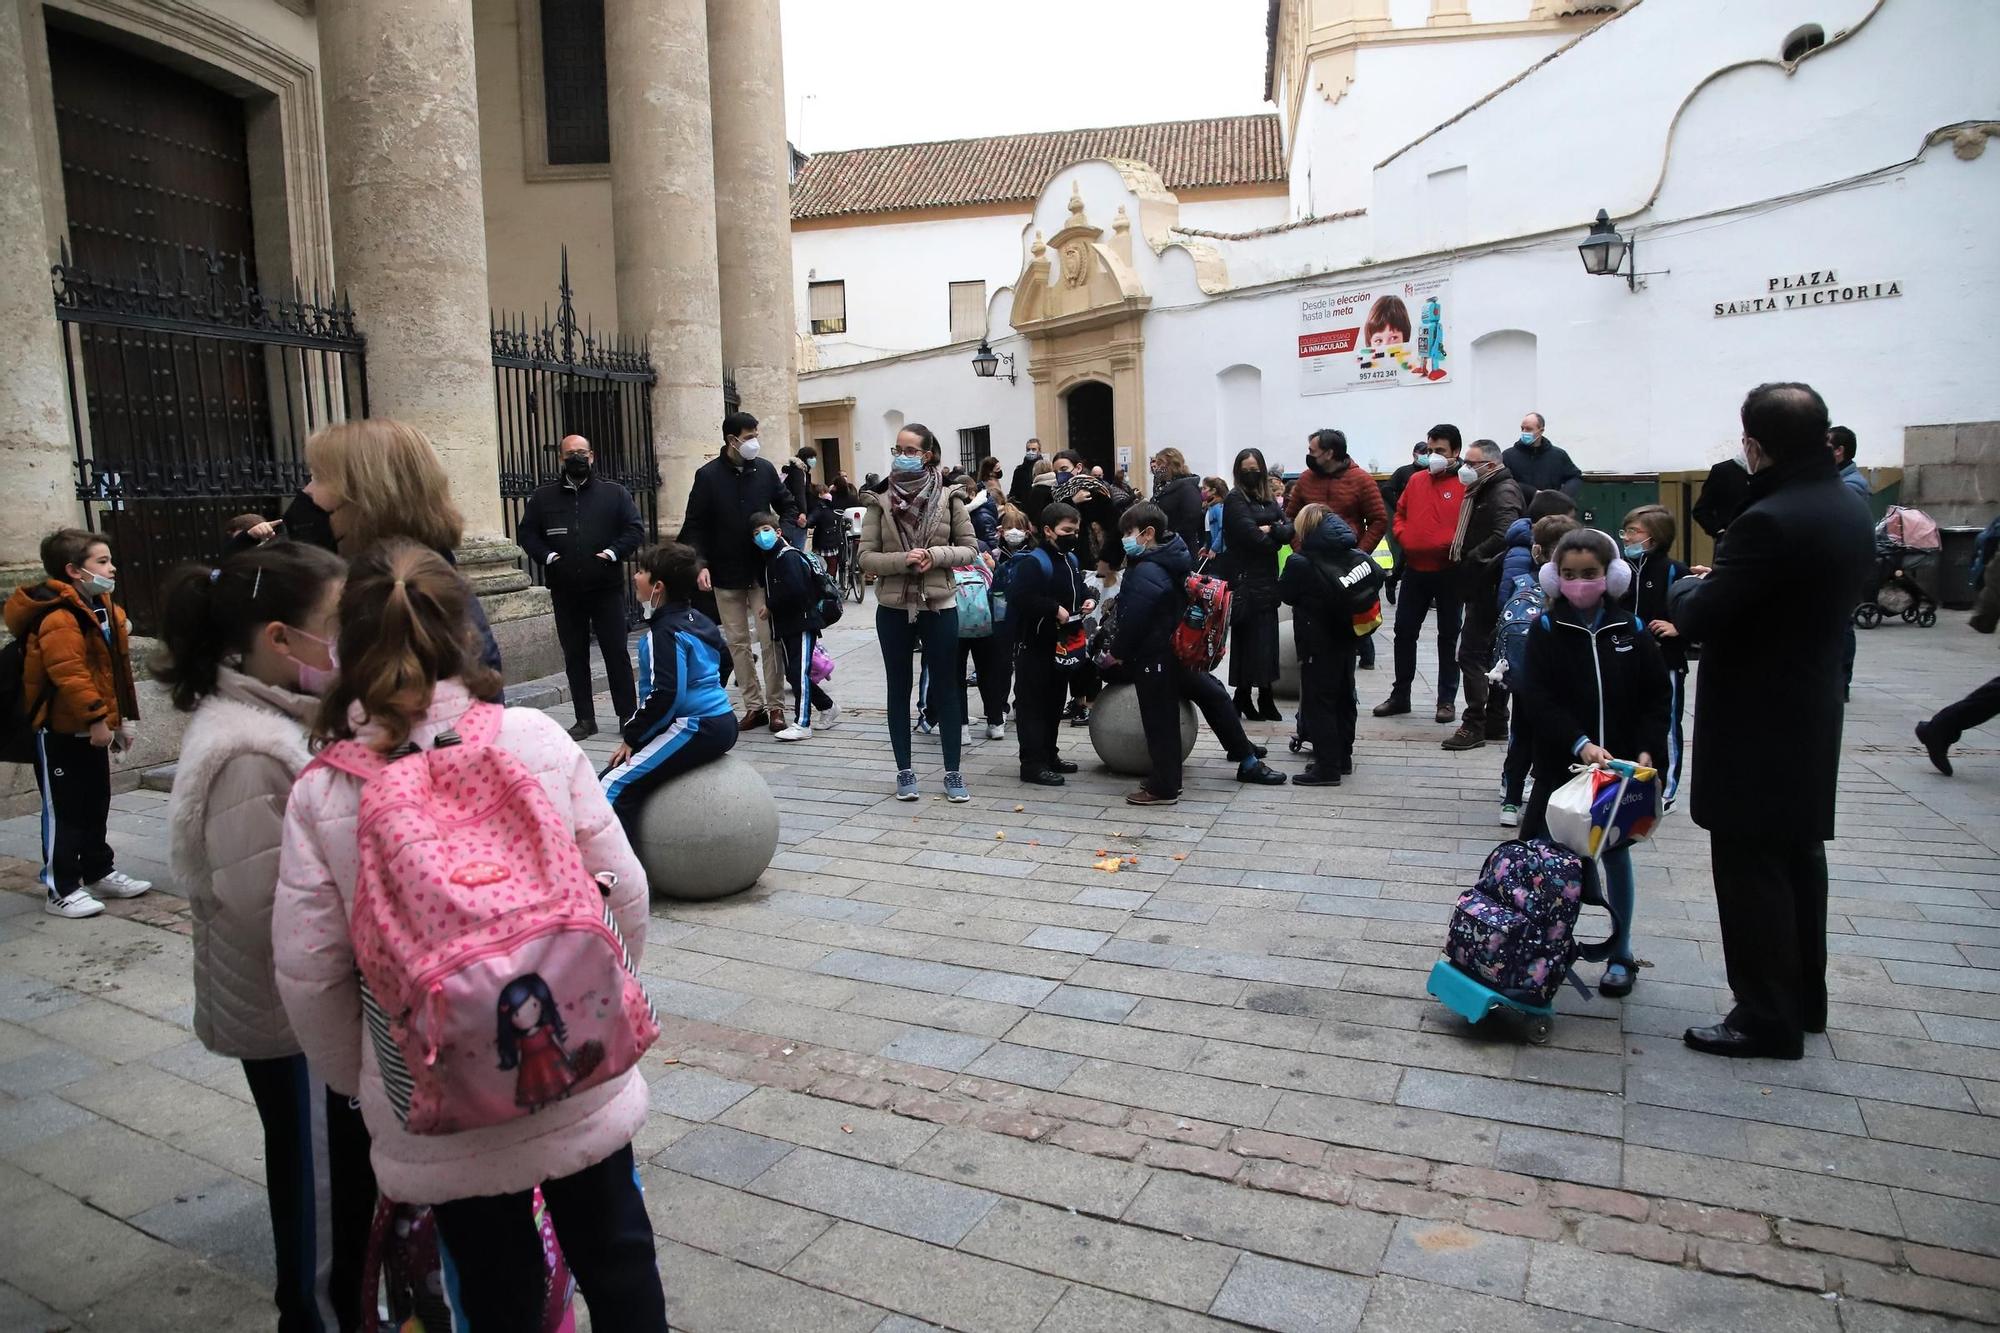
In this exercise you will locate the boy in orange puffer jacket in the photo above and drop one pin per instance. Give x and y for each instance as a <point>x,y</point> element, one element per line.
<point>77,680</point>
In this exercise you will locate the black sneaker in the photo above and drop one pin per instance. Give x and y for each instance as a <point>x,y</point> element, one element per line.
<point>1314,776</point>
<point>1044,778</point>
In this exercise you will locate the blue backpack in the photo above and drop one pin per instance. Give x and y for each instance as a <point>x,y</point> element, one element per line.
<point>1004,576</point>
<point>1524,604</point>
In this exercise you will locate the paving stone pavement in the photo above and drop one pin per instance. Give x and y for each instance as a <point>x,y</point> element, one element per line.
<point>937,1071</point>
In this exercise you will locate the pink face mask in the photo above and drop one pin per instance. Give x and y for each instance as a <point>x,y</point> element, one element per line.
<point>1583,594</point>
<point>314,680</point>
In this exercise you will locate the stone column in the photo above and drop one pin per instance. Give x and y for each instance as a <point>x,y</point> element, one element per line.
<point>37,456</point>
<point>409,247</point>
<point>753,205</point>
<point>663,227</point>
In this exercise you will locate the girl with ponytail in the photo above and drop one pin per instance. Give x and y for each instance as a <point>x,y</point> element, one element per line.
<point>410,671</point>
<point>248,646</point>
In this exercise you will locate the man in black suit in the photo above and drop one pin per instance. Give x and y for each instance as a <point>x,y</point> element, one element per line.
<point>1767,719</point>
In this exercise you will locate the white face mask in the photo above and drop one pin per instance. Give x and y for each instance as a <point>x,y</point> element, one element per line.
<point>749,449</point>
<point>1468,473</point>
<point>1014,536</point>
<point>1438,462</point>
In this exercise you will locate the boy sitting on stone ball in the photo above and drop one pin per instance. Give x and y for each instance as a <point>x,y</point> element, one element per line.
<point>684,718</point>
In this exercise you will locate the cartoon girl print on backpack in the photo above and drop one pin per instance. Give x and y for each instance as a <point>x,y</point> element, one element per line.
<point>530,1037</point>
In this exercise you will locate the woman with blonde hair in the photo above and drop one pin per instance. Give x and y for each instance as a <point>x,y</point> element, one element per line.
<point>378,478</point>
<point>1177,491</point>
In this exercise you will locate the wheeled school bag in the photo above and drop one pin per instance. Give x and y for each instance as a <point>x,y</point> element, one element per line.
<point>1202,636</point>
<point>1517,617</point>
<point>494,980</point>
<point>1512,939</point>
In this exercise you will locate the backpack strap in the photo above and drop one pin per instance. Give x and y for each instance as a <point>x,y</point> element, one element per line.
<point>480,724</point>
<point>349,757</point>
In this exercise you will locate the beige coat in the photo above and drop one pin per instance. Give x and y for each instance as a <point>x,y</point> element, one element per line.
<point>225,823</point>
<point>883,554</point>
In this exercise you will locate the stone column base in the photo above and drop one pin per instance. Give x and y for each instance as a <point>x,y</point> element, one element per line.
<point>523,624</point>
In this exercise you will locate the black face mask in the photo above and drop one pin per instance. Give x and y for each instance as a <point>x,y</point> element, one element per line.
<point>1249,480</point>
<point>1066,544</point>
<point>576,468</point>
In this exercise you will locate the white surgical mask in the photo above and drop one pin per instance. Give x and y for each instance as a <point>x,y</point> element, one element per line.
<point>1014,536</point>
<point>98,586</point>
<point>1437,462</point>
<point>749,449</point>
<point>1468,473</point>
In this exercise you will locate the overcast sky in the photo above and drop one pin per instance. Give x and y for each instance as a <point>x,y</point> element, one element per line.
<point>860,73</point>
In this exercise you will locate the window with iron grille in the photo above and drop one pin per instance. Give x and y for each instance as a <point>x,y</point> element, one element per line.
<point>573,82</point>
<point>974,443</point>
<point>968,310</point>
<point>827,304</point>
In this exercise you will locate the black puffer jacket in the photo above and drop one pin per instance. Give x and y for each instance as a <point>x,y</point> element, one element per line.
<point>1597,676</point>
<point>1310,584</point>
<point>1151,593</point>
<point>720,502</point>
<point>1187,516</point>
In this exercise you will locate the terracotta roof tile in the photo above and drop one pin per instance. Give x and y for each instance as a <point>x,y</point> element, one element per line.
<point>1188,154</point>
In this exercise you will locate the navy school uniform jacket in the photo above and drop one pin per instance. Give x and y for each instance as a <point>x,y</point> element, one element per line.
<point>1152,593</point>
<point>1040,579</point>
<point>1652,575</point>
<point>680,675</point>
<point>1596,677</point>
<point>791,590</point>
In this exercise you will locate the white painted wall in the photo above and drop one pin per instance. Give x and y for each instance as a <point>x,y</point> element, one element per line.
<point>1399,92</point>
<point>898,277</point>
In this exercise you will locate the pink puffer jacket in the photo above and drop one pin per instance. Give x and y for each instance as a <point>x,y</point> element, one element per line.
<point>316,977</point>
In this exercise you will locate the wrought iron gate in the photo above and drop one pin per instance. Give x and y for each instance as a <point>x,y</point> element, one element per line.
<point>552,378</point>
<point>191,396</point>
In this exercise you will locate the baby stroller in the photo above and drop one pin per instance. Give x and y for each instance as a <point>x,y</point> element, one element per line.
<point>1906,561</point>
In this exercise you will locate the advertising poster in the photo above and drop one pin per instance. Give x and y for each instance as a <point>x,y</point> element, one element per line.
<point>1376,337</point>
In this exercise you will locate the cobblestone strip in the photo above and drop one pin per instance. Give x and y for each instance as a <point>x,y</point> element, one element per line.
<point>1662,1231</point>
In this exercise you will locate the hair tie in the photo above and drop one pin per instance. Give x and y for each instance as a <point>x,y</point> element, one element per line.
<point>256,583</point>
<point>399,583</point>
<point>214,574</point>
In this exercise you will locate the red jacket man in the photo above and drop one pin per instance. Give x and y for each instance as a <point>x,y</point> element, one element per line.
<point>1427,514</point>
<point>1333,479</point>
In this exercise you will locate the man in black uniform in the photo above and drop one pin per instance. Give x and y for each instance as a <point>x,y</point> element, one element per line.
<point>578,528</point>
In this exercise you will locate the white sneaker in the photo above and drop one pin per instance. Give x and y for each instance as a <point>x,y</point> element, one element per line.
<point>828,716</point>
<point>118,884</point>
<point>996,731</point>
<point>76,905</point>
<point>795,732</point>
<point>1510,815</point>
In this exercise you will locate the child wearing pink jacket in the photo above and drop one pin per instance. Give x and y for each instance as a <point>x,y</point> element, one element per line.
<point>408,673</point>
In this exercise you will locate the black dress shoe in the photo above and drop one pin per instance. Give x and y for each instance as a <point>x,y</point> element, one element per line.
<point>1045,778</point>
<point>1724,1040</point>
<point>1260,751</point>
<point>1064,766</point>
<point>1260,774</point>
<point>1940,754</point>
<point>582,730</point>
<point>1315,776</point>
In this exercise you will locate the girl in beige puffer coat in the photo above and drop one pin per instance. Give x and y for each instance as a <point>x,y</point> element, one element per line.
<point>248,646</point>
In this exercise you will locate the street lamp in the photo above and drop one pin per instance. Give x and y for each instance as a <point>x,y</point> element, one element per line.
<point>986,362</point>
<point>1605,252</point>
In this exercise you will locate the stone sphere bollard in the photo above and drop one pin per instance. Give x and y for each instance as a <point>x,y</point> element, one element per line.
<point>707,833</point>
<point>1287,686</point>
<point>1119,738</point>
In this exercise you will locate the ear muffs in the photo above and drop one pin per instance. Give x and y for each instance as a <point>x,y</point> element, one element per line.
<point>1617,579</point>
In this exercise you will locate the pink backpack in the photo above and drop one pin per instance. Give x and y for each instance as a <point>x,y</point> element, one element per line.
<point>493,978</point>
